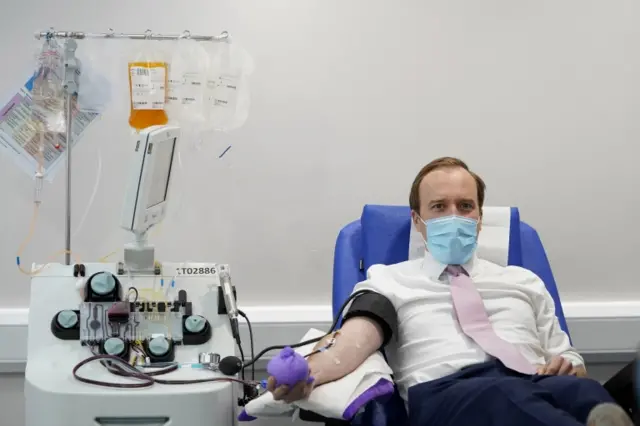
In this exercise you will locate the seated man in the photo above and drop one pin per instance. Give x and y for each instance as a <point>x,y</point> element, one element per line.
<point>470,342</point>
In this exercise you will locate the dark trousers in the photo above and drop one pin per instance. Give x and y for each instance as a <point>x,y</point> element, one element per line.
<point>489,394</point>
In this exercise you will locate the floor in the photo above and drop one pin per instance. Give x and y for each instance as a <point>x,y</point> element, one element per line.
<point>12,401</point>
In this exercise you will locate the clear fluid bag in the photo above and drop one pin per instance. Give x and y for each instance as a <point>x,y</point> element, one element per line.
<point>186,102</point>
<point>228,93</point>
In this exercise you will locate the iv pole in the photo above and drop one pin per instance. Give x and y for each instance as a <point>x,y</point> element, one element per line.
<point>71,68</point>
<point>71,73</point>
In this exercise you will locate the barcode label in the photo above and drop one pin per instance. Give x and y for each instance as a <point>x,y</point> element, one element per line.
<point>148,87</point>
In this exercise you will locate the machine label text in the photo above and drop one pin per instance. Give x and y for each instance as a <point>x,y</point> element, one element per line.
<point>203,270</point>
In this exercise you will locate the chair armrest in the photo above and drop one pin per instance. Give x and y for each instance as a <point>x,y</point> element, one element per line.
<point>621,388</point>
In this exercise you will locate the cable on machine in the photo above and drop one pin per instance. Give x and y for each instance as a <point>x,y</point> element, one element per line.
<point>147,378</point>
<point>253,367</point>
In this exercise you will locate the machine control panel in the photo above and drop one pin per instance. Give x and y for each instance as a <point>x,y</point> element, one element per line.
<point>113,319</point>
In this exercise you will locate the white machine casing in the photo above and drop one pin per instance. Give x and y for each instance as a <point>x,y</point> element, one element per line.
<point>143,206</point>
<point>55,398</point>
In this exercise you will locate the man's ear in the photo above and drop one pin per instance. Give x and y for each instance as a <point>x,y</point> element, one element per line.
<point>415,218</point>
<point>418,224</point>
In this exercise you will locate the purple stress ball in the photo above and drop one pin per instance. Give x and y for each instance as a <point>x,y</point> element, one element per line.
<point>288,368</point>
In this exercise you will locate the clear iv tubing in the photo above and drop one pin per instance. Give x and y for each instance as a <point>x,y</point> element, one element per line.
<point>36,205</point>
<point>39,177</point>
<point>93,195</point>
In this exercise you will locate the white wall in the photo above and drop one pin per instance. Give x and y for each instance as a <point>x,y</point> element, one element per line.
<point>350,99</point>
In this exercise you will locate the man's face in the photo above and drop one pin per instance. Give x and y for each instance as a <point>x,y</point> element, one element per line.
<point>444,192</point>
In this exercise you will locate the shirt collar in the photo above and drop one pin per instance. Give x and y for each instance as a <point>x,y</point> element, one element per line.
<point>434,269</point>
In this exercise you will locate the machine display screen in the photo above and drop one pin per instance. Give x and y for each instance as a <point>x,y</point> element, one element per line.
<point>163,154</point>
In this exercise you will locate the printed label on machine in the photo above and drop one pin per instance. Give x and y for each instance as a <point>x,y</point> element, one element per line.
<point>200,269</point>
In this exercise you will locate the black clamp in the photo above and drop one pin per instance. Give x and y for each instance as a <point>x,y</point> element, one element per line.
<point>79,270</point>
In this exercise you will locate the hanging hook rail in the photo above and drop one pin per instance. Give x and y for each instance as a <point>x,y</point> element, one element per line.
<point>148,35</point>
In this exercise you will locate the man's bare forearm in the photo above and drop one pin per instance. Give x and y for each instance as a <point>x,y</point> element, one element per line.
<point>358,339</point>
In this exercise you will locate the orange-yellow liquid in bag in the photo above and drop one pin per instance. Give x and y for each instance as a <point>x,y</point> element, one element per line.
<point>151,110</point>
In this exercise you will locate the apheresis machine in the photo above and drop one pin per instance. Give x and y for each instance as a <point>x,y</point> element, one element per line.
<point>138,342</point>
<point>149,343</point>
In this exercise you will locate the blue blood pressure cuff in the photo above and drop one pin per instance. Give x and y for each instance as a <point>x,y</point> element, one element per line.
<point>377,308</point>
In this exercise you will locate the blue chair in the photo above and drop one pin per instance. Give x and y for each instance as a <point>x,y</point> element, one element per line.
<point>381,236</point>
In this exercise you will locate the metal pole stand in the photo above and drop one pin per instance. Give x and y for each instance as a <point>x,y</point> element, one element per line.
<point>71,86</point>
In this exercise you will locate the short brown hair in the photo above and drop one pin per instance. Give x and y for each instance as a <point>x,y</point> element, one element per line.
<point>414,195</point>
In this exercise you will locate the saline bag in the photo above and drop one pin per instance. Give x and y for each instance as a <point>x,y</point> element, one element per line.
<point>187,82</point>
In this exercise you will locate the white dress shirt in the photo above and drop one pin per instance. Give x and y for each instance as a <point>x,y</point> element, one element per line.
<point>430,343</point>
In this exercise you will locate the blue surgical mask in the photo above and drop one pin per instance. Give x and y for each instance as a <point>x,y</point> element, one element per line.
<point>451,240</point>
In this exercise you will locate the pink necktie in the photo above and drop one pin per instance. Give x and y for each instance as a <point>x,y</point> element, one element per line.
<point>475,323</point>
